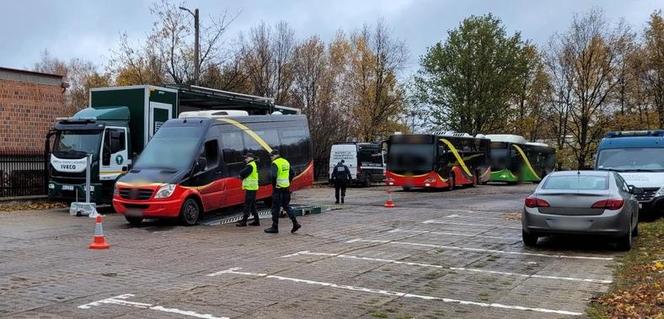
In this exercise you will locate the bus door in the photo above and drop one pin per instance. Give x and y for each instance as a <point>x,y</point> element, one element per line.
<point>207,173</point>
<point>444,161</point>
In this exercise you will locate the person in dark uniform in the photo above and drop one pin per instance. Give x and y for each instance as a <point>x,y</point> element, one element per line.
<point>340,176</point>
<point>249,176</point>
<point>282,175</point>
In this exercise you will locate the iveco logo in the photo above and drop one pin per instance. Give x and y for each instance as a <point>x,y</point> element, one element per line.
<point>68,166</point>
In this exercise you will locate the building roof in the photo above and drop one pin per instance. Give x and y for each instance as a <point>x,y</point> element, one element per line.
<point>30,76</point>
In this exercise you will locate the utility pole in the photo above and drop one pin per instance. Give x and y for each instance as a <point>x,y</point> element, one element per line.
<point>197,46</point>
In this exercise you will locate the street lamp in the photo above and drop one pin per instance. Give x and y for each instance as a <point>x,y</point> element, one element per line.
<point>196,44</point>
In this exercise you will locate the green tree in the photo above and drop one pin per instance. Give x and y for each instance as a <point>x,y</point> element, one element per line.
<point>470,79</point>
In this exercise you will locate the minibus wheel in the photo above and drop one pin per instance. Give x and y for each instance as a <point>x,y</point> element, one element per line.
<point>190,212</point>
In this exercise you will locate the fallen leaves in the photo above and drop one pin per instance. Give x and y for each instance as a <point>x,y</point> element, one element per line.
<point>14,206</point>
<point>512,216</point>
<point>638,289</point>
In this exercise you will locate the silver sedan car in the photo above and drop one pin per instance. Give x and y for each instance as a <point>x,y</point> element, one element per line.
<point>582,202</point>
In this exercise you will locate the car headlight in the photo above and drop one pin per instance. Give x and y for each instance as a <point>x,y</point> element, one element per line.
<point>660,192</point>
<point>165,191</point>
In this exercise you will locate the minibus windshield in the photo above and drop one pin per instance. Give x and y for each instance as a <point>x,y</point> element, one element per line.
<point>172,148</point>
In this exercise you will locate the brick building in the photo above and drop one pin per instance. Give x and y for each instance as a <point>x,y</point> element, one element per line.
<point>29,103</point>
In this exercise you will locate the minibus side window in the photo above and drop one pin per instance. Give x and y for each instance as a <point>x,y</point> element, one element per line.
<point>211,152</point>
<point>233,149</point>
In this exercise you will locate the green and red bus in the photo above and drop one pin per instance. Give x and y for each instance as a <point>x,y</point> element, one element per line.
<point>442,161</point>
<point>514,160</point>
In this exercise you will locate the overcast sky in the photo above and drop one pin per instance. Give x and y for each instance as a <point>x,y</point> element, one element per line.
<point>90,29</point>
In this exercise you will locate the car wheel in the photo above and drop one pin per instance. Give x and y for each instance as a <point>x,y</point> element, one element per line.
<point>136,221</point>
<point>529,240</point>
<point>635,232</point>
<point>190,212</point>
<point>625,242</point>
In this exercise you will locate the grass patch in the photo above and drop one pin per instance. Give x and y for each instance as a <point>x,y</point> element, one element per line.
<point>638,287</point>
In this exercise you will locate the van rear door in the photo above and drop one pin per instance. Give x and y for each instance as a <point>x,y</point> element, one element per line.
<point>346,152</point>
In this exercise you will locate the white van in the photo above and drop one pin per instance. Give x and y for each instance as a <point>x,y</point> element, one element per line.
<point>365,161</point>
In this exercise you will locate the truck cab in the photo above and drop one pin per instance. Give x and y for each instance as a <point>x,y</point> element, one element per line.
<point>101,133</point>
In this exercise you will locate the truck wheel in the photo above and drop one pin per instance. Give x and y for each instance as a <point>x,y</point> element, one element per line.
<point>190,212</point>
<point>625,242</point>
<point>529,240</point>
<point>135,221</point>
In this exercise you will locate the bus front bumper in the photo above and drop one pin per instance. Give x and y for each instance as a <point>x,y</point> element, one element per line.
<point>148,208</point>
<point>72,192</point>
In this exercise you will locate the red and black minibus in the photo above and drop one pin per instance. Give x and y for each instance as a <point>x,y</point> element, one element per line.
<point>192,165</point>
<point>437,161</point>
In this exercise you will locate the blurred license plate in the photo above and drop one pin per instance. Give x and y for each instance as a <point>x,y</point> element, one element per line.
<point>134,212</point>
<point>67,187</point>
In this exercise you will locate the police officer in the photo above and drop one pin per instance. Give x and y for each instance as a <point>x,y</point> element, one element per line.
<point>249,176</point>
<point>340,177</point>
<point>282,176</point>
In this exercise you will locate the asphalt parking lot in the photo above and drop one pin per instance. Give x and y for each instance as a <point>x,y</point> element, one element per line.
<point>436,255</point>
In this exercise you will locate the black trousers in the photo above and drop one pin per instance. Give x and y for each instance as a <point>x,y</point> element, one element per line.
<point>339,187</point>
<point>249,205</point>
<point>281,199</point>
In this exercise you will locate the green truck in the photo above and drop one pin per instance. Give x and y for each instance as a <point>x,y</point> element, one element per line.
<point>117,125</point>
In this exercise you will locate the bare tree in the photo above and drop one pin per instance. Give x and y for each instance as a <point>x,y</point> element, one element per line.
<point>590,56</point>
<point>168,53</point>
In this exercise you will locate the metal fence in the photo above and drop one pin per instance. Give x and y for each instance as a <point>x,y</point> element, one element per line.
<point>23,174</point>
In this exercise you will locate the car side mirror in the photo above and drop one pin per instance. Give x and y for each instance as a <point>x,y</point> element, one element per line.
<point>635,190</point>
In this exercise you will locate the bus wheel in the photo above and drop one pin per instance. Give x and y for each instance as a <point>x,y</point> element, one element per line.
<point>133,220</point>
<point>190,212</point>
<point>451,182</point>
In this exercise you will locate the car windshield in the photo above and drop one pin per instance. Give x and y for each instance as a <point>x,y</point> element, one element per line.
<point>411,158</point>
<point>577,182</point>
<point>631,159</point>
<point>77,143</point>
<point>171,148</point>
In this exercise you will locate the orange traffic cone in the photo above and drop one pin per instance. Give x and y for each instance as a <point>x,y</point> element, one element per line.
<point>99,241</point>
<point>389,203</point>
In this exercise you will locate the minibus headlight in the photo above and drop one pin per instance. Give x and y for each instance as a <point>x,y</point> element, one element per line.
<point>165,191</point>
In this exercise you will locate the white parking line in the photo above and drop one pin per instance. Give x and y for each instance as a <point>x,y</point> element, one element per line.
<point>399,230</point>
<point>475,270</point>
<point>475,249</point>
<point>235,271</point>
<point>436,221</point>
<point>121,300</point>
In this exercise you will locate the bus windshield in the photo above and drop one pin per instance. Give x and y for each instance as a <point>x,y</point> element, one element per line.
<point>411,158</point>
<point>172,148</point>
<point>632,160</point>
<point>77,144</point>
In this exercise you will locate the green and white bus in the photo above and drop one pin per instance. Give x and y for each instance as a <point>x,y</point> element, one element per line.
<point>514,160</point>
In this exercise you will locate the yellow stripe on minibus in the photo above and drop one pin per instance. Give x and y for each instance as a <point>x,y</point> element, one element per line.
<point>251,133</point>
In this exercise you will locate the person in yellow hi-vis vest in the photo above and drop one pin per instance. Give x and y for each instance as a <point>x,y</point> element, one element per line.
<point>282,175</point>
<point>249,176</point>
